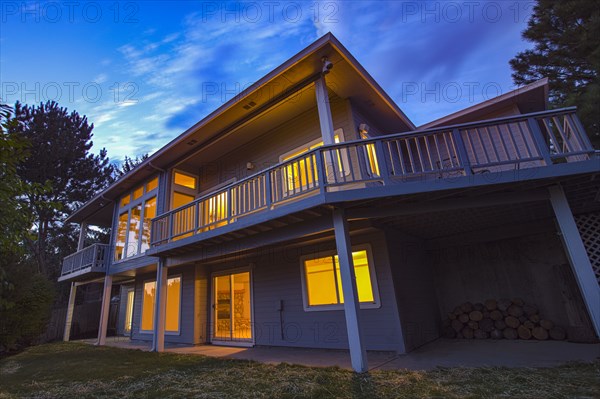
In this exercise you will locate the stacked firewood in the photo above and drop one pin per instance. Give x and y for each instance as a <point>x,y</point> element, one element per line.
<point>500,319</point>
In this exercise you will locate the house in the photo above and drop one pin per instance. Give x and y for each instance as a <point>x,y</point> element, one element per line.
<point>309,211</point>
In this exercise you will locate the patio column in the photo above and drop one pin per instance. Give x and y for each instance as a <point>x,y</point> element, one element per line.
<point>358,354</point>
<point>104,311</point>
<point>70,308</point>
<point>83,227</point>
<point>578,258</point>
<point>325,119</point>
<point>160,308</point>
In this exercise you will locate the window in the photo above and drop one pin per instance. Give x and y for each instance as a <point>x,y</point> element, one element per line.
<point>129,310</point>
<point>136,210</point>
<point>302,174</point>
<point>185,180</point>
<point>173,305</point>
<point>371,156</point>
<point>323,283</point>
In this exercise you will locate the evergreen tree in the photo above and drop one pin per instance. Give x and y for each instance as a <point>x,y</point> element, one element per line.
<point>59,159</point>
<point>129,164</point>
<point>566,37</point>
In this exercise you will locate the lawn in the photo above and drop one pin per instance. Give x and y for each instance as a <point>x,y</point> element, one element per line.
<point>76,370</point>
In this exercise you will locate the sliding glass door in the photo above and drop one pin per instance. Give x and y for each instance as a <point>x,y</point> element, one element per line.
<point>232,308</point>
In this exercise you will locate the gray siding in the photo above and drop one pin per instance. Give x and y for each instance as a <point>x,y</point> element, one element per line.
<point>277,277</point>
<point>415,290</point>
<point>186,320</point>
<point>265,150</point>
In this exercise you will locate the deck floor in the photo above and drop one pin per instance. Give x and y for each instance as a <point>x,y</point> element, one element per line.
<point>440,353</point>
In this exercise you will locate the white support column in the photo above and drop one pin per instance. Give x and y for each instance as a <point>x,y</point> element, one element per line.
<point>104,311</point>
<point>358,354</point>
<point>82,234</point>
<point>325,119</point>
<point>160,308</point>
<point>70,308</point>
<point>578,258</point>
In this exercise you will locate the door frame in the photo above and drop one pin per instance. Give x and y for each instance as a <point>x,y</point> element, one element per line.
<point>226,272</point>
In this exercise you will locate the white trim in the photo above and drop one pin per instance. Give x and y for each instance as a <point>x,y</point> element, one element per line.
<point>376,304</point>
<point>237,342</point>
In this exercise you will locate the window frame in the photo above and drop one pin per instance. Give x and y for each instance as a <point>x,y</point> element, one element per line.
<point>182,189</point>
<point>376,304</point>
<point>127,209</point>
<point>153,280</point>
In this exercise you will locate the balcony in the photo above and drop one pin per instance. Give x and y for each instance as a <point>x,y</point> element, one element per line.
<point>522,147</point>
<point>89,262</point>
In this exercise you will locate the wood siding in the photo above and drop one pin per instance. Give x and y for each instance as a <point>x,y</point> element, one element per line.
<point>276,277</point>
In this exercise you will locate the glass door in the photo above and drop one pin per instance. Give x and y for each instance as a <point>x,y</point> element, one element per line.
<point>129,311</point>
<point>232,308</point>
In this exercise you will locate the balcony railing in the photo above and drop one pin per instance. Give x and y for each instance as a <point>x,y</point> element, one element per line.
<point>516,142</point>
<point>95,257</point>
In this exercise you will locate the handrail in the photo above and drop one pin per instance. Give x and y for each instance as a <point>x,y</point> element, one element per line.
<point>95,255</point>
<point>519,141</point>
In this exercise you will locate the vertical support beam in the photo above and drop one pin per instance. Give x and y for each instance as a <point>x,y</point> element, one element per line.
<point>578,258</point>
<point>104,311</point>
<point>325,119</point>
<point>82,234</point>
<point>461,152</point>
<point>540,141</point>
<point>358,353</point>
<point>160,307</point>
<point>70,308</point>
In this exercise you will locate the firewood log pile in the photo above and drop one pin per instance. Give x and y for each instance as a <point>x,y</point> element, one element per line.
<point>500,319</point>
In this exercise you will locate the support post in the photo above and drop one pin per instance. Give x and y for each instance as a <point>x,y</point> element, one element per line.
<point>578,258</point>
<point>160,308</point>
<point>325,119</point>
<point>104,311</point>
<point>358,353</point>
<point>82,234</point>
<point>70,308</point>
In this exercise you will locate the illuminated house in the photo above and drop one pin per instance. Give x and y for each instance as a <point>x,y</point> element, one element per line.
<point>309,211</point>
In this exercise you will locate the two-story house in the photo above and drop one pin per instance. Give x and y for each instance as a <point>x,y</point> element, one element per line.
<point>309,211</point>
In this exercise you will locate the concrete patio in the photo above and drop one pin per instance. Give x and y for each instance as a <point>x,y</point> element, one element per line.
<point>440,353</point>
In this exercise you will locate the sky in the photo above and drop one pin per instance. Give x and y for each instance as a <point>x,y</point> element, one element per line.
<point>145,71</point>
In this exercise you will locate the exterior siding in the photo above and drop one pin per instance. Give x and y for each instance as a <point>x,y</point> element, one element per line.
<point>186,318</point>
<point>415,290</point>
<point>265,150</point>
<point>277,277</point>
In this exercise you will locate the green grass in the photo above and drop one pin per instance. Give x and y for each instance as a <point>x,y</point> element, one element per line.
<point>76,370</point>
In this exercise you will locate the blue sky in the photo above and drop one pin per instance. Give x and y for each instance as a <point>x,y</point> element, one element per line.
<point>145,71</point>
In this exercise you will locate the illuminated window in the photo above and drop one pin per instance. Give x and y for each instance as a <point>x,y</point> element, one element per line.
<point>133,236</point>
<point>323,282</point>
<point>125,200</point>
<point>371,157</point>
<point>185,180</point>
<point>129,311</point>
<point>302,174</point>
<point>152,184</point>
<point>138,192</point>
<point>148,306</point>
<point>149,214</point>
<point>180,199</point>
<point>121,235</point>
<point>173,305</point>
<point>133,230</point>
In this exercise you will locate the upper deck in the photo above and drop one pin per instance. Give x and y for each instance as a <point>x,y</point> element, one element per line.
<point>504,150</point>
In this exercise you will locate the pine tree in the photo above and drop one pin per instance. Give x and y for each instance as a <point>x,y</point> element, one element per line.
<point>566,37</point>
<point>60,159</point>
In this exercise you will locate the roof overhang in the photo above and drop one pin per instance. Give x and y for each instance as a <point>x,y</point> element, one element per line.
<point>347,79</point>
<point>529,98</point>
